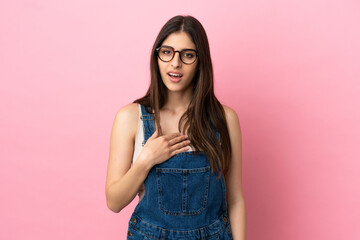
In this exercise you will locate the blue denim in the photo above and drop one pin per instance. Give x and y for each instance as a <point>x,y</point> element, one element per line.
<point>183,198</point>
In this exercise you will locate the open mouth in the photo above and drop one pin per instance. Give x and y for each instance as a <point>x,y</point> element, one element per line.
<point>175,77</point>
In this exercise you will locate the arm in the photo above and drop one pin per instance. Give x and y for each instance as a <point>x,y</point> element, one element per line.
<point>235,198</point>
<point>124,181</point>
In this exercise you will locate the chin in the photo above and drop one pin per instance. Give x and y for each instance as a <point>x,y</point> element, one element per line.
<point>183,85</point>
<point>174,88</point>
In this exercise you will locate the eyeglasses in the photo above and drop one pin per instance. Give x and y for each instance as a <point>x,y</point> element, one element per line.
<point>167,53</point>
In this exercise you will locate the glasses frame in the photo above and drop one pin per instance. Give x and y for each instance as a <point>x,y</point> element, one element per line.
<point>174,52</point>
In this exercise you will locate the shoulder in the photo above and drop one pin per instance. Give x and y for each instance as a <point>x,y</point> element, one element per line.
<point>233,123</point>
<point>127,118</point>
<point>231,115</point>
<point>128,112</point>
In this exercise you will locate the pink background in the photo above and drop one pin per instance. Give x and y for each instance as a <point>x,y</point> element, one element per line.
<point>290,69</point>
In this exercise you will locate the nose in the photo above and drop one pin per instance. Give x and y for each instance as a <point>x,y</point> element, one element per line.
<point>176,62</point>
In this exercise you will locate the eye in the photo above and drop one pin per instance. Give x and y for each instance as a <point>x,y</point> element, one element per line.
<point>166,52</point>
<point>189,54</point>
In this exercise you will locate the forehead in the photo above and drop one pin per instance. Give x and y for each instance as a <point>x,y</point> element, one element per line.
<point>179,40</point>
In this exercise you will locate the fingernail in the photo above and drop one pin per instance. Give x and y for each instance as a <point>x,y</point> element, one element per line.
<point>186,136</point>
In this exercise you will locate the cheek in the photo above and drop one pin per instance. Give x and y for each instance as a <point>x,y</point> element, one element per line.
<point>161,68</point>
<point>193,70</point>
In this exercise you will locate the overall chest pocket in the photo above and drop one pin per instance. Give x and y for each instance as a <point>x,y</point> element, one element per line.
<point>182,191</point>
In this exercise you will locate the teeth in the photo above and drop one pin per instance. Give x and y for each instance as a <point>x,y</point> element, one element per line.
<point>175,75</point>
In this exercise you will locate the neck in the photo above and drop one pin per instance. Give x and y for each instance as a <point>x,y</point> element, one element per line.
<point>178,101</point>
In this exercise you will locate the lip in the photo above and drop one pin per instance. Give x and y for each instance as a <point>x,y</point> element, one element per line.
<point>174,72</point>
<point>174,79</point>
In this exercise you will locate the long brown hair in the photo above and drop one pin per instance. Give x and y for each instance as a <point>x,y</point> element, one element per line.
<point>204,111</point>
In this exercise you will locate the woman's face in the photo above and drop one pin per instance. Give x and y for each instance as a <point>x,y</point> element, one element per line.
<point>184,73</point>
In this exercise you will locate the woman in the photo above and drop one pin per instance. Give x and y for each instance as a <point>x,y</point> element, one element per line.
<point>186,162</point>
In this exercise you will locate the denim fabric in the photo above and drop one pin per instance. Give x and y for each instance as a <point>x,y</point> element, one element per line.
<point>183,198</point>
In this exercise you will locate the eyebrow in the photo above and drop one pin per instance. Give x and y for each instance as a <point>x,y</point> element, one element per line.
<point>180,50</point>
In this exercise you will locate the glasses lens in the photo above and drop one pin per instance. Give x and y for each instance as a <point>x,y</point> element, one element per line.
<point>166,54</point>
<point>188,56</point>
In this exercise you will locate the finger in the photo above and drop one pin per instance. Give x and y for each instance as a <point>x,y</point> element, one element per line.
<point>155,134</point>
<point>180,145</point>
<point>177,139</point>
<point>171,136</point>
<point>184,149</point>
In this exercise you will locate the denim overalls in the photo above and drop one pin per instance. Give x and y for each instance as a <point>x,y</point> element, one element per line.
<point>183,199</point>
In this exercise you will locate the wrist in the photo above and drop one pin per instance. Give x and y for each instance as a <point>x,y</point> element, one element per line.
<point>144,163</point>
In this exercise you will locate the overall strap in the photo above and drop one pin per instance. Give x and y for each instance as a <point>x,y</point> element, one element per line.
<point>148,123</point>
